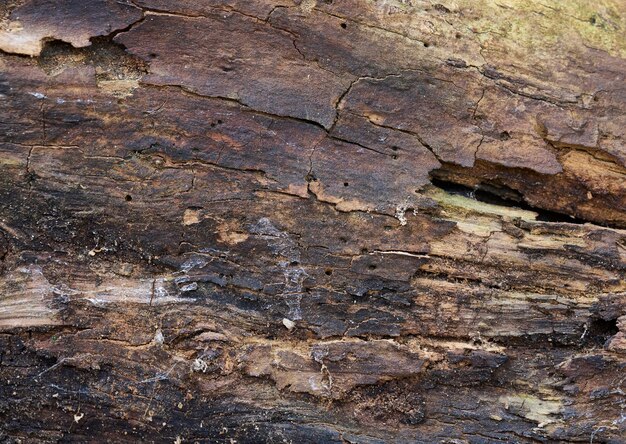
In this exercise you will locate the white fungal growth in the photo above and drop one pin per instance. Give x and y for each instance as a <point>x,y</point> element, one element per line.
<point>193,262</point>
<point>400,214</point>
<point>159,288</point>
<point>37,95</point>
<point>401,210</point>
<point>189,287</point>
<point>199,365</point>
<point>158,337</point>
<point>283,245</point>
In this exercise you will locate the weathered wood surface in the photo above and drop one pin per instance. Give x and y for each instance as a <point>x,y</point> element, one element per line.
<point>239,221</point>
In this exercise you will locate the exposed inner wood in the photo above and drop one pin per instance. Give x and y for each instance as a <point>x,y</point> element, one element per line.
<point>348,221</point>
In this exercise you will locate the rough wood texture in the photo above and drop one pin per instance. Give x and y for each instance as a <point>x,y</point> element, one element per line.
<point>345,221</point>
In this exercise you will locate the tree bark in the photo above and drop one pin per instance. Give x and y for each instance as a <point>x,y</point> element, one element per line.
<point>346,221</point>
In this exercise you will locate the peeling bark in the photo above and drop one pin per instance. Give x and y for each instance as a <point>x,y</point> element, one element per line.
<point>312,221</point>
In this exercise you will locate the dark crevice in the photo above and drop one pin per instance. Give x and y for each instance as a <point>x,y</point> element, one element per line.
<point>47,42</point>
<point>109,58</point>
<point>600,330</point>
<point>4,247</point>
<point>503,196</point>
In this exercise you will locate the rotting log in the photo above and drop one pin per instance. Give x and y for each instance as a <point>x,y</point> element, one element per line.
<point>346,221</point>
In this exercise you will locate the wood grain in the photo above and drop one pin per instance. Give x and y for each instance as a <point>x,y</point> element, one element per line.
<point>344,221</point>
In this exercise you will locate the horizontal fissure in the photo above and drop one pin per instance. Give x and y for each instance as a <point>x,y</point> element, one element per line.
<point>505,197</point>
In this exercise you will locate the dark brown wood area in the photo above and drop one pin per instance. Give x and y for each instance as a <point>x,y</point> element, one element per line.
<point>348,221</point>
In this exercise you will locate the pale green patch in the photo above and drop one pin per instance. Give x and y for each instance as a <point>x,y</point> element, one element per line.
<point>535,25</point>
<point>454,203</point>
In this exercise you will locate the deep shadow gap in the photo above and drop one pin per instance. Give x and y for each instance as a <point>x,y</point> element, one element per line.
<point>505,197</point>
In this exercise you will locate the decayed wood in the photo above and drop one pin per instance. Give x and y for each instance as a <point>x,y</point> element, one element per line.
<point>312,221</point>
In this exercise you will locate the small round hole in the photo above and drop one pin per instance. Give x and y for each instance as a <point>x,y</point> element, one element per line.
<point>394,148</point>
<point>128,198</point>
<point>426,44</point>
<point>372,266</point>
<point>345,184</point>
<point>504,135</point>
<point>343,25</point>
<point>457,35</point>
<point>328,272</point>
<point>394,157</point>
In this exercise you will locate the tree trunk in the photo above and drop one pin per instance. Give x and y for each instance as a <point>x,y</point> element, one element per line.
<point>349,221</point>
